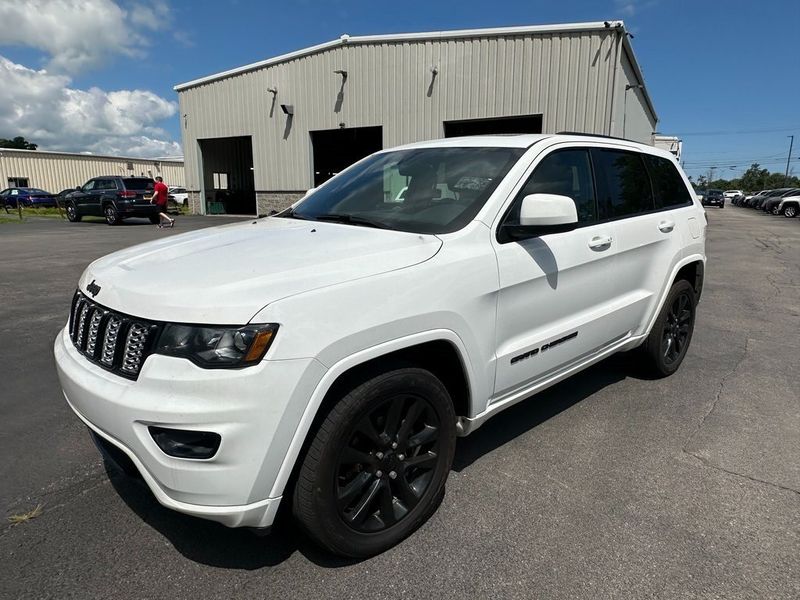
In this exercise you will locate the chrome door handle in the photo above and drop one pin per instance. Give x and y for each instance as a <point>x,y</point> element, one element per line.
<point>600,242</point>
<point>666,226</point>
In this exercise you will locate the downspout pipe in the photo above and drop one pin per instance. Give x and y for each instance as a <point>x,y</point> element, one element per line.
<point>620,32</point>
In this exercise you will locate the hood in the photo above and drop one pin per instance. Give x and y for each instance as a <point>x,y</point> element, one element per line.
<point>225,275</point>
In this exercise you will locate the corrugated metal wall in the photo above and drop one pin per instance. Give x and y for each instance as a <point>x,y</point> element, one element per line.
<point>55,172</point>
<point>567,77</point>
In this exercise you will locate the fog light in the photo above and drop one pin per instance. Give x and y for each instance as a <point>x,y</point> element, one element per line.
<point>182,443</point>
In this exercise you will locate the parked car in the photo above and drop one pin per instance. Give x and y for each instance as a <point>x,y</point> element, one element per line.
<point>770,205</point>
<point>26,196</point>
<point>329,356</point>
<point>178,196</point>
<point>789,205</point>
<point>113,197</point>
<point>714,198</point>
<point>755,198</point>
<point>758,201</point>
<point>733,196</point>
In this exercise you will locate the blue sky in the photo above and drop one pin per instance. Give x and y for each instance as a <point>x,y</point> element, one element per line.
<point>723,75</point>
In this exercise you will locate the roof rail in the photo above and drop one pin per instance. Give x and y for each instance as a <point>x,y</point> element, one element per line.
<point>599,135</point>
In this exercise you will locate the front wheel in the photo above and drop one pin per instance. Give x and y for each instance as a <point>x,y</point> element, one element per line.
<point>790,212</point>
<point>666,345</point>
<point>72,213</point>
<point>377,465</point>
<point>112,217</point>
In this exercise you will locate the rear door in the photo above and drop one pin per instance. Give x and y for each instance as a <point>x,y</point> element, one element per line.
<point>555,290</point>
<point>646,197</point>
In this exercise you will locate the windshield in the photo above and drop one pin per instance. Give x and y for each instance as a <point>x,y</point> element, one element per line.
<point>138,183</point>
<point>424,190</point>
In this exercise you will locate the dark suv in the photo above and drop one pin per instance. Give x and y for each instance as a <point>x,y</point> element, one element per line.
<point>714,198</point>
<point>114,198</point>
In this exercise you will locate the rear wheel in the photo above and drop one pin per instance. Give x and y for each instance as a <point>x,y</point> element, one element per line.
<point>111,215</point>
<point>666,346</point>
<point>790,212</point>
<point>72,213</point>
<point>377,465</point>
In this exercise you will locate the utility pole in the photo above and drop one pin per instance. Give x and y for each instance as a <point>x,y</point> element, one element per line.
<point>788,159</point>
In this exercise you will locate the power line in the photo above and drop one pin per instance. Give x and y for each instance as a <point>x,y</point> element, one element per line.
<point>738,132</point>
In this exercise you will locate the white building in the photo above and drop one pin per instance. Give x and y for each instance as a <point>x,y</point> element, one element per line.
<point>56,171</point>
<point>670,143</point>
<point>256,137</point>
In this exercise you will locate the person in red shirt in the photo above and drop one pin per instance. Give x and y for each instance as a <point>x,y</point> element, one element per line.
<point>159,198</point>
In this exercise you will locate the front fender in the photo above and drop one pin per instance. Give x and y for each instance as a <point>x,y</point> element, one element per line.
<point>344,365</point>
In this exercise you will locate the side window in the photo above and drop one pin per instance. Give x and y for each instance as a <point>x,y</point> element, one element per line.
<point>90,185</point>
<point>668,186</point>
<point>623,186</point>
<point>566,173</point>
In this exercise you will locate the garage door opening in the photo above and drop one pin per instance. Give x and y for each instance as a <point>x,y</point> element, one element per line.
<point>515,124</point>
<point>337,149</point>
<point>228,180</point>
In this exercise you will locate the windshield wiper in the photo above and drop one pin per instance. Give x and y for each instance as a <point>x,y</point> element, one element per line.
<point>291,214</point>
<point>351,220</point>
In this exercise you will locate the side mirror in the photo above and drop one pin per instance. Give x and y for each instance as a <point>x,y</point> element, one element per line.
<point>541,214</point>
<point>78,189</point>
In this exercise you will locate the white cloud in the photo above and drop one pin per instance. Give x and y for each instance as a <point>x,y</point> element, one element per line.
<point>81,34</point>
<point>629,8</point>
<point>43,108</point>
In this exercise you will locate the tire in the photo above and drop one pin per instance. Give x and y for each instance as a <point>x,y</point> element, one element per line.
<point>72,213</point>
<point>368,479</point>
<point>155,219</point>
<point>660,357</point>
<point>111,215</point>
<point>790,212</point>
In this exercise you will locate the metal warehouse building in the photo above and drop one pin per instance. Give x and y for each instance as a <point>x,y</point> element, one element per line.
<point>56,171</point>
<point>256,137</point>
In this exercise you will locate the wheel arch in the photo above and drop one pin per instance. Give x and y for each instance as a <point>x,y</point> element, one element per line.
<point>439,351</point>
<point>691,268</point>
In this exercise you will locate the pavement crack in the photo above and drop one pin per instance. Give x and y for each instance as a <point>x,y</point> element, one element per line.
<point>706,463</point>
<point>718,395</point>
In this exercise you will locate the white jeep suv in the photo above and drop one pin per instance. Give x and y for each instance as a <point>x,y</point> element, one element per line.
<point>329,356</point>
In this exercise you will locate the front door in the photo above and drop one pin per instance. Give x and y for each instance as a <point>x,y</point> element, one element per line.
<point>556,290</point>
<point>83,198</point>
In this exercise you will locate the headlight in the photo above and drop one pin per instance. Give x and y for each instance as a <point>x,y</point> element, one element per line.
<point>215,347</point>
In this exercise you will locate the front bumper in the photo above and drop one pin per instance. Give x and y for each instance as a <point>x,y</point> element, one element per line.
<point>255,410</point>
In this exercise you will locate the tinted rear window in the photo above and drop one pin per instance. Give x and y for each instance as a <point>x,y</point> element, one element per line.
<point>623,185</point>
<point>668,186</point>
<point>138,184</point>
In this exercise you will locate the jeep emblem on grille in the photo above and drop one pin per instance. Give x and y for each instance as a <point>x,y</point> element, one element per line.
<point>93,288</point>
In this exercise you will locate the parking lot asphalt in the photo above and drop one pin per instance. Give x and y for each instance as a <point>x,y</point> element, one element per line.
<point>607,485</point>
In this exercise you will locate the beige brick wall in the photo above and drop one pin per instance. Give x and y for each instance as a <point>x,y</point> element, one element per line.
<point>269,201</point>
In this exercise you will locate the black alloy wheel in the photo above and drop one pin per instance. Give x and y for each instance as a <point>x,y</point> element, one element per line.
<point>388,462</point>
<point>112,218</point>
<point>377,463</point>
<point>675,332</point>
<point>72,213</point>
<point>668,341</point>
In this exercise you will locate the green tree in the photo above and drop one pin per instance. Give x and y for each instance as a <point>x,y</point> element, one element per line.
<point>18,143</point>
<point>755,178</point>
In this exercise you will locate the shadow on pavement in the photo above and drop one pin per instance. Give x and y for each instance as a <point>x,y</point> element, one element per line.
<point>216,545</point>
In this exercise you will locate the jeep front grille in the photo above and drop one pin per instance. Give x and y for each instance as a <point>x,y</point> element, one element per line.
<point>112,340</point>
